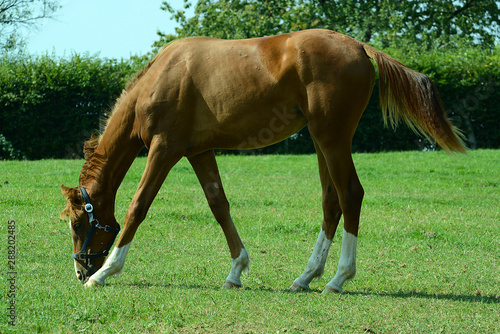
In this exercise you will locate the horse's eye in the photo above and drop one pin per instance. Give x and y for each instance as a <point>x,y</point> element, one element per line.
<point>76,226</point>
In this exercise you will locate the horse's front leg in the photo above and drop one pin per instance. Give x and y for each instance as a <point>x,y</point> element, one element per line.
<point>205,167</point>
<point>113,266</point>
<point>160,162</point>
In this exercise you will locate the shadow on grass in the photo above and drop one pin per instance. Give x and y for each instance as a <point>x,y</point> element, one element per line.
<point>435,296</point>
<point>146,285</point>
<point>489,299</point>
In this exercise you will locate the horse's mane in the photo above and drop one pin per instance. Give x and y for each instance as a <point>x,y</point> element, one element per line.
<point>93,161</point>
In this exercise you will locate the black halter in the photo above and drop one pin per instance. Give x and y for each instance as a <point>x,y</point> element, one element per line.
<point>82,255</point>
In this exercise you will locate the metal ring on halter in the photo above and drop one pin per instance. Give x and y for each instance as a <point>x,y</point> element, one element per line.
<point>88,207</point>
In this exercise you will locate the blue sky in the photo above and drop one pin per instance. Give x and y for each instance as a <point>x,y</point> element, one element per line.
<point>110,28</point>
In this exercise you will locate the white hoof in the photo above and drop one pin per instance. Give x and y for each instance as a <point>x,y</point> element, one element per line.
<point>91,283</point>
<point>230,285</point>
<point>331,289</point>
<point>239,265</point>
<point>297,288</point>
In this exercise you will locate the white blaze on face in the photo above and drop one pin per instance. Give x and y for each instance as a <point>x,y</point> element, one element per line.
<point>74,261</point>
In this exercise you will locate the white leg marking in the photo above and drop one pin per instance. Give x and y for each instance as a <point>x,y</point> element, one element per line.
<point>113,266</point>
<point>347,263</point>
<point>240,264</point>
<point>316,263</point>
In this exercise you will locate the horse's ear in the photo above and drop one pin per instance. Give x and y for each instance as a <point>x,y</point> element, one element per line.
<point>65,190</point>
<point>73,195</point>
<point>70,195</point>
<point>68,192</point>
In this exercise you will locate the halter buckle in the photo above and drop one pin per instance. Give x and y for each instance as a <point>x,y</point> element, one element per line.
<point>89,207</point>
<point>79,256</point>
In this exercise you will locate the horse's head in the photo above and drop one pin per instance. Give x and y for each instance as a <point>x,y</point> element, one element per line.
<point>92,238</point>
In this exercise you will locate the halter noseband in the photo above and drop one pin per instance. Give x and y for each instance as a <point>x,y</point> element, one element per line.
<point>82,255</point>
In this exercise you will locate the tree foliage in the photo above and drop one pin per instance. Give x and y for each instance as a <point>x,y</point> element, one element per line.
<point>384,22</point>
<point>399,23</point>
<point>15,14</point>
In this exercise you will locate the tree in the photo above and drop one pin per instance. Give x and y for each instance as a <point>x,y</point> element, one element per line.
<point>237,19</point>
<point>429,24</point>
<point>15,14</point>
<point>384,22</point>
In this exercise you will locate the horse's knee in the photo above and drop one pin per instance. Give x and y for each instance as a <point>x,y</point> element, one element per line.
<point>137,211</point>
<point>217,203</point>
<point>216,200</point>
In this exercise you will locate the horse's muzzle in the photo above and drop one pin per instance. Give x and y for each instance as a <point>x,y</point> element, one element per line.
<point>82,277</point>
<point>83,272</point>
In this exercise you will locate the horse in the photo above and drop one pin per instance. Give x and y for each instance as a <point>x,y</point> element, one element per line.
<point>201,93</point>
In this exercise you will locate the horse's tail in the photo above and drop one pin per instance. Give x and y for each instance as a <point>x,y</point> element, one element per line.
<point>412,96</point>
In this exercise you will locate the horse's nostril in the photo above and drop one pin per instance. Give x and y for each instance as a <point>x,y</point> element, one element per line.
<point>80,276</point>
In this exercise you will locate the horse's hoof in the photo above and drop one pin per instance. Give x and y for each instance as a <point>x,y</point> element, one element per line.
<point>330,289</point>
<point>231,285</point>
<point>297,288</point>
<point>91,283</point>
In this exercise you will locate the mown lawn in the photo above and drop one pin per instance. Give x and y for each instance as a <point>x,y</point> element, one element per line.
<point>428,251</point>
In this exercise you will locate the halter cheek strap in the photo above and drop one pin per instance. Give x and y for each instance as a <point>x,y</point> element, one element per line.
<point>94,223</point>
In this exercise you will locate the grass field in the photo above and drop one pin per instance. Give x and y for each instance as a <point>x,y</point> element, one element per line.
<point>428,251</point>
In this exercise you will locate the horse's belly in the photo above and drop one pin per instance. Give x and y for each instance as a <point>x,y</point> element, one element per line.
<point>248,130</point>
<point>277,126</point>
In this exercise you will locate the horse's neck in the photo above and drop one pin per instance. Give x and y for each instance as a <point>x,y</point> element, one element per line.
<point>115,153</point>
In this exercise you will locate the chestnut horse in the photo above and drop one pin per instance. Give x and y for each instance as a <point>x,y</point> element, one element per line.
<point>202,93</point>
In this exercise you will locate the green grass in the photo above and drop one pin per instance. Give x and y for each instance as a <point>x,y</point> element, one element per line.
<point>428,251</point>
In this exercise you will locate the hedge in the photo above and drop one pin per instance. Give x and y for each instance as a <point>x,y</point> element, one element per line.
<point>49,106</point>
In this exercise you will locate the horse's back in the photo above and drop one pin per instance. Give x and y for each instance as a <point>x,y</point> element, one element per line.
<point>261,63</point>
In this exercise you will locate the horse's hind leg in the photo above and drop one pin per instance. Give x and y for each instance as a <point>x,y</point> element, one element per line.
<point>333,117</point>
<point>206,170</point>
<point>331,213</point>
<point>350,194</point>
